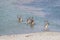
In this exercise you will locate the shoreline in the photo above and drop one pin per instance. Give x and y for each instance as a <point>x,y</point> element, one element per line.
<point>33,36</point>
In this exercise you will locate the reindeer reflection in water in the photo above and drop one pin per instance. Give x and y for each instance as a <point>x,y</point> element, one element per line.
<point>30,21</point>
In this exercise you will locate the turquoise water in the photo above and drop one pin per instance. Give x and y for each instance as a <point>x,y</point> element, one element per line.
<point>9,23</point>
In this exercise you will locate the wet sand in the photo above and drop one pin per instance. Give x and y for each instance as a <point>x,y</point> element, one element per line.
<point>33,36</point>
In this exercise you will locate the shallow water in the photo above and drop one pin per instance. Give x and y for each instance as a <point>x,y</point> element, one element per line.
<point>9,22</point>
